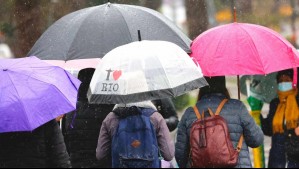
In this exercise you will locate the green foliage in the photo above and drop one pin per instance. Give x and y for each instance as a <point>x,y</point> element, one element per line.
<point>184,101</point>
<point>7,29</point>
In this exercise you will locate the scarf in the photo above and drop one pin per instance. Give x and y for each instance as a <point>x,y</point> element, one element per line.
<point>287,109</point>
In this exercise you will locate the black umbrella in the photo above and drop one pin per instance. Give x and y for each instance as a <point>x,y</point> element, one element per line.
<point>93,32</point>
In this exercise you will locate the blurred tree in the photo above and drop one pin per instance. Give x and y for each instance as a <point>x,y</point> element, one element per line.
<point>243,9</point>
<point>64,7</point>
<point>6,17</point>
<point>276,5</point>
<point>294,5</point>
<point>181,102</point>
<point>197,17</point>
<point>244,6</point>
<point>153,4</point>
<point>29,23</point>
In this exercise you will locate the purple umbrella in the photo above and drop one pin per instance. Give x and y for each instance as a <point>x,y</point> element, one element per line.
<point>33,92</point>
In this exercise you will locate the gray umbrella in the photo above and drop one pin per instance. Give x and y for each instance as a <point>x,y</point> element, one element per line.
<point>261,87</point>
<point>93,32</point>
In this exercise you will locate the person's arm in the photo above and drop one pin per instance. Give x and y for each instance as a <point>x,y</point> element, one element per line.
<point>253,134</point>
<point>165,142</point>
<point>56,149</point>
<point>103,151</point>
<point>182,146</point>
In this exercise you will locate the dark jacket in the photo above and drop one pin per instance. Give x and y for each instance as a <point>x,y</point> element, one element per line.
<point>167,109</point>
<point>277,156</point>
<point>239,122</point>
<point>81,131</point>
<point>42,148</point>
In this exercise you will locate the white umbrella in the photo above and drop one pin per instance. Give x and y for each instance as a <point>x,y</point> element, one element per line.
<point>145,70</point>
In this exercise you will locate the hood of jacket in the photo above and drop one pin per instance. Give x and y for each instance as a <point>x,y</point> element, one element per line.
<point>125,110</point>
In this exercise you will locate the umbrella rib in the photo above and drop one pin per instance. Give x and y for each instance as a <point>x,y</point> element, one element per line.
<point>218,44</point>
<point>165,74</point>
<point>273,32</point>
<point>14,64</point>
<point>125,22</point>
<point>76,34</point>
<point>23,106</point>
<point>43,82</point>
<point>62,95</point>
<point>48,82</point>
<point>256,51</point>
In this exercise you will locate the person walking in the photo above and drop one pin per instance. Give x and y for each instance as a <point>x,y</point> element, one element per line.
<point>42,148</point>
<point>282,122</point>
<point>81,127</point>
<point>109,129</point>
<point>235,114</point>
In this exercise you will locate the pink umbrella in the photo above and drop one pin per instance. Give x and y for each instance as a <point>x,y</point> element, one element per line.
<point>243,49</point>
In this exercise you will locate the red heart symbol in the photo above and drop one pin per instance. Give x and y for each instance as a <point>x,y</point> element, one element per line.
<point>117,74</point>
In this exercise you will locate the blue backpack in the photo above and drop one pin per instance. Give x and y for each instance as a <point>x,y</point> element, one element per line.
<point>134,144</point>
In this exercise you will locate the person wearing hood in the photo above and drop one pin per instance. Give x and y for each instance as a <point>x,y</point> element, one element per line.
<point>282,122</point>
<point>234,112</point>
<point>81,127</point>
<point>110,125</point>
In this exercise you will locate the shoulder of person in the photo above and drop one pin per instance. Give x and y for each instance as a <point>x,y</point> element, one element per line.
<point>111,116</point>
<point>234,101</point>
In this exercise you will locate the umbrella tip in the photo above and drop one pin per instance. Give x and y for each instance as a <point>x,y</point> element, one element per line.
<point>139,35</point>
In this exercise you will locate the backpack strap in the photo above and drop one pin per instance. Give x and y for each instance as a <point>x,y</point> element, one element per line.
<point>220,106</point>
<point>240,143</point>
<point>197,112</point>
<point>147,111</point>
<point>203,113</point>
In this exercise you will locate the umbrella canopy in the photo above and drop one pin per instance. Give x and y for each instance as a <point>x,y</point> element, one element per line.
<point>261,87</point>
<point>146,70</point>
<point>93,32</point>
<point>33,93</point>
<point>243,49</point>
